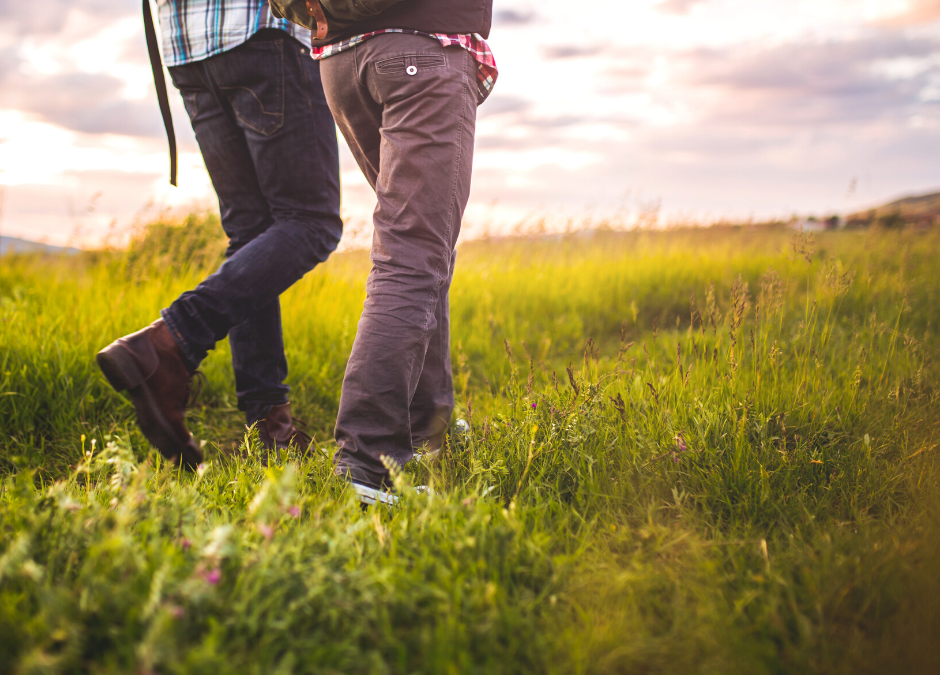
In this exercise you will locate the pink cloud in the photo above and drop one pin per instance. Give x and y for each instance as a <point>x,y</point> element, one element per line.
<point>921,11</point>
<point>678,6</point>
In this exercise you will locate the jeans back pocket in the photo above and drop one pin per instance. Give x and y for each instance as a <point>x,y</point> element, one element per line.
<point>251,77</point>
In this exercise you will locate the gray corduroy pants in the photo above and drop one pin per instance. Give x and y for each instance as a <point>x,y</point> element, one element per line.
<point>407,108</point>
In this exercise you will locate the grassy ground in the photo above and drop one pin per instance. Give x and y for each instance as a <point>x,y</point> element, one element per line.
<point>691,451</point>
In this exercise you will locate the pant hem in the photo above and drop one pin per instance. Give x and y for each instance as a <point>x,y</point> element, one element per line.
<point>261,412</point>
<point>364,477</point>
<point>191,361</point>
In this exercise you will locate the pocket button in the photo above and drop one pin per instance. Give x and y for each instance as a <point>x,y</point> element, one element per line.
<point>411,70</point>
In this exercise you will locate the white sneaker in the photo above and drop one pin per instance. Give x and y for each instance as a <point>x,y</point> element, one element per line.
<point>459,433</point>
<point>369,495</point>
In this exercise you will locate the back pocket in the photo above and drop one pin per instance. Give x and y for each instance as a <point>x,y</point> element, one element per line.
<point>410,64</point>
<point>251,77</point>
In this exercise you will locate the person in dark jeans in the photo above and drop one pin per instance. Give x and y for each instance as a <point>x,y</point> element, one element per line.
<point>269,144</point>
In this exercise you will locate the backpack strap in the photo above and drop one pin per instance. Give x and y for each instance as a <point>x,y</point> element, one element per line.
<point>315,10</point>
<point>160,82</point>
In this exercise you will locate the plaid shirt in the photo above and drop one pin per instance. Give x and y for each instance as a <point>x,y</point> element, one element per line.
<point>194,30</point>
<point>476,45</point>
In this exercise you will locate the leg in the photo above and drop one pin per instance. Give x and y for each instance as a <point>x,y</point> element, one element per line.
<point>433,401</point>
<point>307,125</point>
<point>422,183</point>
<point>259,362</point>
<point>270,147</point>
<point>256,343</point>
<point>248,117</point>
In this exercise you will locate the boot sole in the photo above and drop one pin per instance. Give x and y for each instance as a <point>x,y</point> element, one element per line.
<point>122,374</point>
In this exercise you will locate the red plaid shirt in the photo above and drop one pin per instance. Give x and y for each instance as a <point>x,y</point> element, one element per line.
<point>476,45</point>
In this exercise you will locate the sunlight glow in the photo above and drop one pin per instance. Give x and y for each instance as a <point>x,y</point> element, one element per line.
<point>603,105</point>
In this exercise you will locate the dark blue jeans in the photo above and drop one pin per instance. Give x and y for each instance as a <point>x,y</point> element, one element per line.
<point>269,144</point>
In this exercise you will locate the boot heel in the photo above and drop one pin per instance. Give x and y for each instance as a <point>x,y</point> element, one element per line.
<point>119,368</point>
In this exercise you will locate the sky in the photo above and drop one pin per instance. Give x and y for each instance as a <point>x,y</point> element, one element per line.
<point>665,111</point>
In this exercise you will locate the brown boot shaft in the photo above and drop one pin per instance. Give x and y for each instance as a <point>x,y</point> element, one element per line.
<point>277,431</point>
<point>149,365</point>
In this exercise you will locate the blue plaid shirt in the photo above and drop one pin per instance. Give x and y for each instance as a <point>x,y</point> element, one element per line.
<point>193,30</point>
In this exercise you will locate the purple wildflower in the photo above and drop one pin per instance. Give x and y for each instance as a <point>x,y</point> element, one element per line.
<point>212,576</point>
<point>266,530</point>
<point>186,544</point>
<point>675,458</point>
<point>294,511</point>
<point>534,406</point>
<point>680,443</point>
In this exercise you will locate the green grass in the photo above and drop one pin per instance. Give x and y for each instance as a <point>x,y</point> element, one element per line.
<point>691,451</point>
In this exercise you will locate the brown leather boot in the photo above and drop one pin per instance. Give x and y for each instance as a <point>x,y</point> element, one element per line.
<point>149,365</point>
<point>277,430</point>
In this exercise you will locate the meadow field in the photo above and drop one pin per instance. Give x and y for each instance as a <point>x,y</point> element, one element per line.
<point>689,451</point>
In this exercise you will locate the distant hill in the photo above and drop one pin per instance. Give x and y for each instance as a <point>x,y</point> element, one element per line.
<point>921,210</point>
<point>922,204</point>
<point>17,245</point>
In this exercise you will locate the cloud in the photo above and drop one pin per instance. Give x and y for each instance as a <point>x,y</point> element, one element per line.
<point>731,131</point>
<point>883,75</point>
<point>755,118</point>
<point>500,104</point>
<point>512,17</point>
<point>678,6</point>
<point>817,83</point>
<point>49,17</point>
<point>628,73</point>
<point>920,11</point>
<point>555,52</point>
<point>85,102</point>
<point>61,75</point>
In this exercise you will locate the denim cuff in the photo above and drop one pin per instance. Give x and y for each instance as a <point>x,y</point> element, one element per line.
<point>255,411</point>
<point>192,362</point>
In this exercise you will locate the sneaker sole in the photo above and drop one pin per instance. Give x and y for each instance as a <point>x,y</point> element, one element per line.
<point>369,496</point>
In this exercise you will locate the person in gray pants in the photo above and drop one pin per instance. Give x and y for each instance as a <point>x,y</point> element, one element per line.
<point>405,101</point>
<point>412,136</point>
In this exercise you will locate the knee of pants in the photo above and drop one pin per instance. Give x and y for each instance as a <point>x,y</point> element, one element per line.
<point>233,247</point>
<point>320,238</point>
<point>239,241</point>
